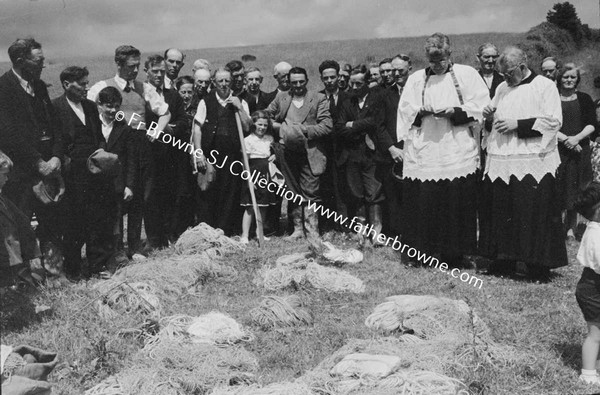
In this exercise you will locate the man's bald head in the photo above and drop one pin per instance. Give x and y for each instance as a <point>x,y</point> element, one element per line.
<point>280,73</point>
<point>174,61</point>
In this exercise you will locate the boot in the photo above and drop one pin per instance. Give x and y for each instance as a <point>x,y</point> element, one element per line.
<point>375,214</point>
<point>361,218</point>
<point>311,224</point>
<point>297,221</point>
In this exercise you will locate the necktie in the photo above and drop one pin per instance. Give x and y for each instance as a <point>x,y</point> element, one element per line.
<point>127,88</point>
<point>368,140</point>
<point>332,105</point>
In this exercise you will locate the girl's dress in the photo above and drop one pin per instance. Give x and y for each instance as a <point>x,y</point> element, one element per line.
<point>258,150</point>
<point>588,287</point>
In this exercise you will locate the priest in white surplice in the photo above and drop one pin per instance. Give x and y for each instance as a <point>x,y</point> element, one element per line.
<point>439,120</point>
<point>520,225</point>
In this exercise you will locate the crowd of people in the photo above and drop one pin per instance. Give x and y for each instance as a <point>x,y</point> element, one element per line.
<point>457,161</point>
<point>494,162</point>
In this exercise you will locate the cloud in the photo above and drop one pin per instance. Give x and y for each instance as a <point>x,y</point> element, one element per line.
<point>73,28</point>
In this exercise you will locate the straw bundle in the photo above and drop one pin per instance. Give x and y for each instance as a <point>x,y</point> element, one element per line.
<point>13,362</point>
<point>176,274</point>
<point>295,388</point>
<point>296,269</point>
<point>186,368</point>
<point>123,297</point>
<point>109,386</point>
<point>275,311</point>
<point>203,237</point>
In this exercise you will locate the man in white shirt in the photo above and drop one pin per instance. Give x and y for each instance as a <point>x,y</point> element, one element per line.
<point>137,97</point>
<point>174,61</point>
<point>215,131</point>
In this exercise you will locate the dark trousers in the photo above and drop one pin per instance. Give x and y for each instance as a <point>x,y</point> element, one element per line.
<point>220,205</point>
<point>392,189</point>
<point>90,215</point>
<point>137,208</point>
<point>299,177</point>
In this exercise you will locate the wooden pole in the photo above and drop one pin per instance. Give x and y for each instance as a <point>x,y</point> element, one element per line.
<point>259,223</point>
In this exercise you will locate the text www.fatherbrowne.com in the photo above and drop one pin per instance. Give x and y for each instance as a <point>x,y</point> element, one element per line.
<point>237,168</point>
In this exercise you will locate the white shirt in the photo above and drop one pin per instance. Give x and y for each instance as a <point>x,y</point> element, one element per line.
<point>78,109</point>
<point>201,111</point>
<point>25,84</point>
<point>298,102</point>
<point>589,250</point>
<point>151,96</point>
<point>106,128</point>
<point>258,147</point>
<point>168,84</point>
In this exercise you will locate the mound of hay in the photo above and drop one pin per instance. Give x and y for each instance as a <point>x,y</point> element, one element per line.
<point>176,274</point>
<point>295,388</point>
<point>119,297</point>
<point>296,269</point>
<point>366,365</point>
<point>275,311</point>
<point>412,359</point>
<point>213,328</point>
<point>205,238</point>
<point>181,368</point>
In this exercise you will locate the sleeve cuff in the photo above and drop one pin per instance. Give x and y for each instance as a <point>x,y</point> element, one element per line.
<point>525,128</point>
<point>460,117</point>
<point>418,120</point>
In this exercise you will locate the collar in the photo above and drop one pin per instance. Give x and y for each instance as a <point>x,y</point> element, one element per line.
<point>23,82</point>
<point>528,79</point>
<point>222,101</point>
<point>72,103</point>
<point>104,123</point>
<point>121,83</point>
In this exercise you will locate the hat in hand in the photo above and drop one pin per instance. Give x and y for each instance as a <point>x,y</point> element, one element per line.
<point>50,190</point>
<point>102,162</point>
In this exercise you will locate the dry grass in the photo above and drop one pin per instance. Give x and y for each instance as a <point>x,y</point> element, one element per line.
<point>542,321</point>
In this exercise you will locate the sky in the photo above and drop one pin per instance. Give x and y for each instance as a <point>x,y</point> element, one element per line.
<point>73,28</point>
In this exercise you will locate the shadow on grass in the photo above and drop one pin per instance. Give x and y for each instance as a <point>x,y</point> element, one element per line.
<point>17,310</point>
<point>570,354</point>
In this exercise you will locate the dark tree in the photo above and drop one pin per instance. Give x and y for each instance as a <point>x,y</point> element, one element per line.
<point>248,58</point>
<point>565,16</point>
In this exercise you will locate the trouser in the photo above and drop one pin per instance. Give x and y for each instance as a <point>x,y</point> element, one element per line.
<point>91,211</point>
<point>137,208</point>
<point>392,190</point>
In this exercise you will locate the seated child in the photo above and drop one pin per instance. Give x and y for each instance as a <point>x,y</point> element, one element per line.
<point>587,204</point>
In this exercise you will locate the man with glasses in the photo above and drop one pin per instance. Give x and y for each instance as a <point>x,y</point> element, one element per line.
<point>521,225</point>
<point>30,134</point>
<point>389,147</point>
<point>550,67</point>
<point>439,119</point>
<point>174,62</point>
<point>215,132</point>
<point>303,121</point>
<point>487,54</point>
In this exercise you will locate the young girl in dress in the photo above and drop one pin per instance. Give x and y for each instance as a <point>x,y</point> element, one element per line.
<point>588,288</point>
<point>258,148</point>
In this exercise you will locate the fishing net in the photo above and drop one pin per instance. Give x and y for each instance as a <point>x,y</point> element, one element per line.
<point>205,238</point>
<point>297,270</point>
<point>295,388</point>
<point>177,274</point>
<point>120,297</point>
<point>275,311</point>
<point>181,368</point>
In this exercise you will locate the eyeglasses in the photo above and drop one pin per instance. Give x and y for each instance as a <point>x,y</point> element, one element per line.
<point>489,57</point>
<point>223,80</point>
<point>510,73</point>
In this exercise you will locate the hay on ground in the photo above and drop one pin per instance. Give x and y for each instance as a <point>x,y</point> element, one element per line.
<point>287,388</point>
<point>341,257</point>
<point>296,269</point>
<point>205,238</point>
<point>275,311</point>
<point>177,274</point>
<point>366,365</point>
<point>119,297</point>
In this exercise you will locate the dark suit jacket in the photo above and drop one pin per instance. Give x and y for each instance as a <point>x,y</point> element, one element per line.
<point>386,131</point>
<point>20,139</point>
<point>264,99</point>
<point>123,143</point>
<point>77,152</point>
<point>316,126</point>
<point>342,96</point>
<point>496,80</point>
<point>366,121</point>
<point>17,239</point>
